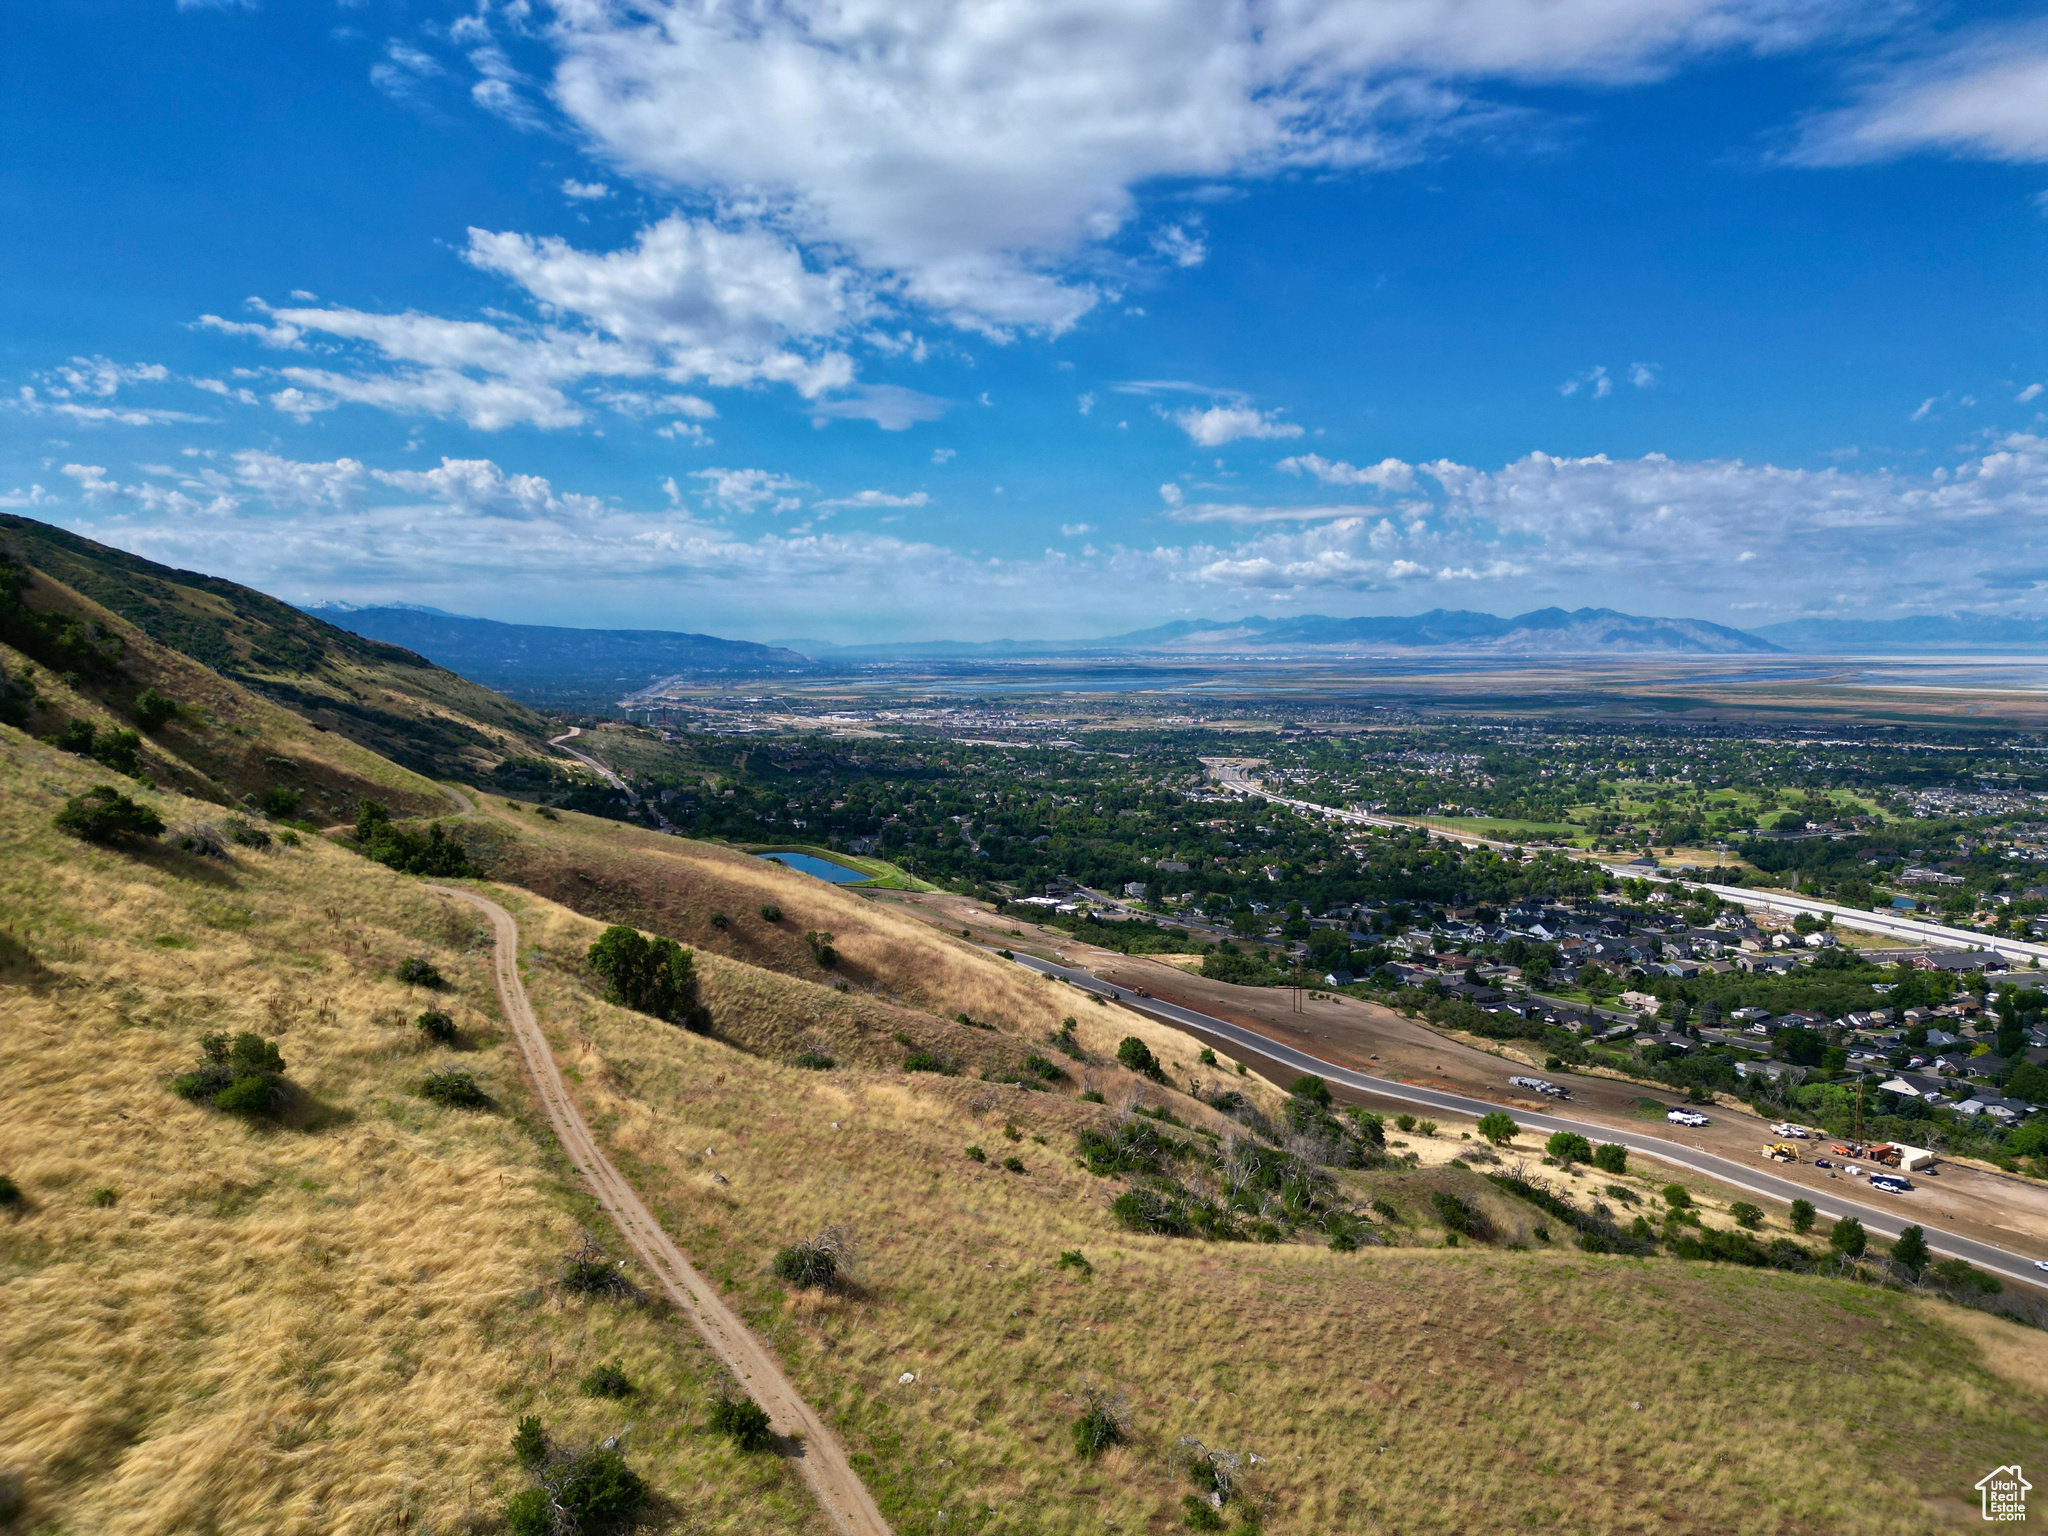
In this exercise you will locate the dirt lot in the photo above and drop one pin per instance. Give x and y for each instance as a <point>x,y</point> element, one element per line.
<point>2010,1212</point>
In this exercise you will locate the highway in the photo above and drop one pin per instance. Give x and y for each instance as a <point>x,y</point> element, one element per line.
<point>1936,935</point>
<point>1886,1220</point>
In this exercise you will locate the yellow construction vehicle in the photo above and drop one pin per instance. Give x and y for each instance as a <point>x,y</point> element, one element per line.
<point>1781,1152</point>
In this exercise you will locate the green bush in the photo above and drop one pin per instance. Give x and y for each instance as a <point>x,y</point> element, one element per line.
<point>105,815</point>
<point>1611,1157</point>
<point>453,1090</point>
<point>815,1060</point>
<point>1207,1057</point>
<point>1015,1165</point>
<point>1958,1275</point>
<point>409,852</point>
<point>436,1026</point>
<point>591,1493</point>
<point>1910,1251</point>
<point>1569,1147</point>
<point>809,1266</point>
<point>1135,1056</point>
<point>1099,1427</point>
<point>281,801</point>
<point>1039,1066</point>
<point>1313,1088</point>
<point>657,977</point>
<point>102,1198</point>
<point>976,1155</point>
<point>1746,1214</point>
<point>1498,1127</point>
<point>242,1076</point>
<point>770,913</point>
<point>820,945</point>
<point>1404,1123</point>
<point>10,1192</point>
<point>1803,1215</point>
<point>741,1420</point>
<point>419,971</point>
<point>605,1381</point>
<point>1199,1514</point>
<point>247,836</point>
<point>1848,1238</point>
<point>1677,1196</point>
<point>153,711</point>
<point>925,1061</point>
<point>590,1271</point>
<point>1076,1260</point>
<point>529,1443</point>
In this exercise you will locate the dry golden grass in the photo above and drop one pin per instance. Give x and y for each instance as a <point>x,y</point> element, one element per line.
<point>324,1327</point>
<point>1406,1388</point>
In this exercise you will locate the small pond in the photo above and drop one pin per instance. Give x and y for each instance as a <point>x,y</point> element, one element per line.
<point>824,869</point>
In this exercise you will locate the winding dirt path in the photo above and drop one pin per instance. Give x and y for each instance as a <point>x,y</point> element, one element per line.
<point>820,1456</point>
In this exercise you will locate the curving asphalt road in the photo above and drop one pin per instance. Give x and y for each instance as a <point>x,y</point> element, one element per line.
<point>821,1458</point>
<point>1884,1220</point>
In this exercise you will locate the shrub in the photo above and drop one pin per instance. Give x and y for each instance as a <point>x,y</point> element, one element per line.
<point>1458,1216</point>
<point>1207,1058</point>
<point>247,836</point>
<point>590,1271</point>
<point>529,1443</point>
<point>1746,1214</point>
<point>605,1381</point>
<point>453,1090</point>
<point>976,1155</point>
<point>242,1076</point>
<point>809,1266</point>
<point>657,977</point>
<point>418,971</point>
<point>1910,1251</point>
<point>1135,1056</point>
<point>1425,1127</point>
<point>436,1026</point>
<point>153,711</point>
<point>1145,1210</point>
<point>1677,1196</point>
<point>770,913</point>
<point>1075,1260</point>
<point>820,945</point>
<point>1569,1147</point>
<point>409,852</point>
<point>815,1060</point>
<point>741,1420</point>
<point>720,921</point>
<point>281,801</point>
<point>586,1493</point>
<point>1499,1127</point>
<point>10,1192</point>
<point>1015,1165</point>
<point>1958,1275</point>
<point>1041,1067</point>
<point>1404,1123</point>
<point>1312,1088</point>
<point>1200,1514</point>
<point>1803,1215</point>
<point>1847,1237</point>
<point>105,815</point>
<point>1100,1426</point>
<point>925,1061</point>
<point>1611,1157</point>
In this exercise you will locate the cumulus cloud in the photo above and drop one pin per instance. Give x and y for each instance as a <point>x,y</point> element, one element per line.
<point>585,191</point>
<point>1643,375</point>
<point>1983,96</point>
<point>83,390</point>
<point>750,490</point>
<point>480,488</point>
<point>1387,475</point>
<point>1594,380</point>
<point>1221,424</point>
<point>966,153</point>
<point>34,496</point>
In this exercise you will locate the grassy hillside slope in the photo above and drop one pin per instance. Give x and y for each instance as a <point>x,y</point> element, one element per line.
<point>225,742</point>
<point>382,696</point>
<point>326,1326</point>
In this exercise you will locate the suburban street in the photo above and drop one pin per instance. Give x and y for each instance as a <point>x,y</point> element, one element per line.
<point>1885,1220</point>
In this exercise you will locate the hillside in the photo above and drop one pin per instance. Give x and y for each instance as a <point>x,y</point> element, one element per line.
<point>546,664</point>
<point>330,1324</point>
<point>1939,631</point>
<point>383,697</point>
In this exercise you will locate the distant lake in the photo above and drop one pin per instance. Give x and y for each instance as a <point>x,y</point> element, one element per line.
<point>824,869</point>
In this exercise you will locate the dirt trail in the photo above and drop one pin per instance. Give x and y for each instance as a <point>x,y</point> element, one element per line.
<point>821,1458</point>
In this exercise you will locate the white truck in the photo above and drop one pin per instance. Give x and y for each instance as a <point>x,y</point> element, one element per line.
<point>1685,1117</point>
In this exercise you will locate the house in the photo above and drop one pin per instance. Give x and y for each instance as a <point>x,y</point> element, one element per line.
<point>1908,1085</point>
<point>1776,1071</point>
<point>1640,1002</point>
<point>1683,970</point>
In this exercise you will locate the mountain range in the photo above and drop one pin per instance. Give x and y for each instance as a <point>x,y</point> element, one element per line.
<point>1940,631</point>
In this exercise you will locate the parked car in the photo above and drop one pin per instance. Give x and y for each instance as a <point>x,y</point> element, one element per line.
<point>1821,1162</point>
<point>1891,1183</point>
<point>1685,1117</point>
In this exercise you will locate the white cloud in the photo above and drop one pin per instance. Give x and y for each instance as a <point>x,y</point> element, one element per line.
<point>1387,475</point>
<point>1594,379</point>
<point>889,406</point>
<point>1171,494</point>
<point>966,154</point>
<point>289,483</point>
<point>1926,408</point>
<point>34,496</point>
<point>1181,244</point>
<point>2031,392</point>
<point>1984,96</point>
<point>1643,375</point>
<point>944,455</point>
<point>1086,403</point>
<point>750,490</point>
<point>1221,424</point>
<point>1075,530</point>
<point>878,499</point>
<point>479,488</point>
<point>403,70</point>
<point>585,191</point>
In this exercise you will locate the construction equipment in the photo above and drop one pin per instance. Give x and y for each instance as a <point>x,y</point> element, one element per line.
<point>1781,1152</point>
<point>1884,1152</point>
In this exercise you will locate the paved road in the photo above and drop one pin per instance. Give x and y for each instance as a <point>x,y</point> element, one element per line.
<point>822,1459</point>
<point>1887,1220</point>
<point>592,763</point>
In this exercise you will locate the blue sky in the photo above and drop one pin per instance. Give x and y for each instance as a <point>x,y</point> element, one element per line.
<point>921,319</point>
